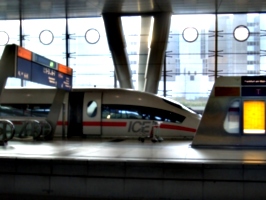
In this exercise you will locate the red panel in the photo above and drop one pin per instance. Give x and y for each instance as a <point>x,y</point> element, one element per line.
<point>227,91</point>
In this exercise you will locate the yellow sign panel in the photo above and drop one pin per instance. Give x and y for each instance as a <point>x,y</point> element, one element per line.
<point>254,117</point>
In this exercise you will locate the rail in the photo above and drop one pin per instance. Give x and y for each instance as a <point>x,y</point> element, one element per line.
<point>7,130</point>
<point>38,129</point>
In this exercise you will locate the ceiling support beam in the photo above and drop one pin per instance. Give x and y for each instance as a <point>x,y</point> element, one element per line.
<point>157,50</point>
<point>143,49</point>
<point>117,46</point>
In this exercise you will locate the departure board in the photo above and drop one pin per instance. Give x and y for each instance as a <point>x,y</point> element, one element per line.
<point>64,81</point>
<point>33,67</point>
<point>23,69</point>
<point>44,75</point>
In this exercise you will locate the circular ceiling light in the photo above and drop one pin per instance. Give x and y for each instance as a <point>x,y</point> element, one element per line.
<point>4,38</point>
<point>190,34</point>
<point>46,37</point>
<point>241,33</point>
<point>92,36</point>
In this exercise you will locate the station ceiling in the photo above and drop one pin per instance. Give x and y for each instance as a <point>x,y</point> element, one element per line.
<point>34,9</point>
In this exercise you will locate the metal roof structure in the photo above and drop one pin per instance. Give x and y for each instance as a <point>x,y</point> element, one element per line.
<point>35,9</point>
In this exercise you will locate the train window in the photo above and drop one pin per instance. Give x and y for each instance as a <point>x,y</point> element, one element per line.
<point>119,113</point>
<point>92,109</point>
<point>140,112</point>
<point>133,115</point>
<point>166,116</point>
<point>25,110</point>
<point>232,119</point>
<point>6,110</point>
<point>105,113</point>
<point>116,114</point>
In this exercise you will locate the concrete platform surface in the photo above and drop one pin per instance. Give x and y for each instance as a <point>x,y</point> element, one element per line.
<point>128,150</point>
<point>128,169</point>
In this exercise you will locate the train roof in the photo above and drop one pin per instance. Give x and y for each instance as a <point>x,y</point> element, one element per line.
<point>51,91</point>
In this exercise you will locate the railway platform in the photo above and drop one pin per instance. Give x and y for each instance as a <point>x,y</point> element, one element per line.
<point>128,169</point>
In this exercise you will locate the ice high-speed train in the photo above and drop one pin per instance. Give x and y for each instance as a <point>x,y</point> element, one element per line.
<point>103,112</point>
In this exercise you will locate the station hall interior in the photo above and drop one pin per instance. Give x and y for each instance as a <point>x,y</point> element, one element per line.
<point>173,48</point>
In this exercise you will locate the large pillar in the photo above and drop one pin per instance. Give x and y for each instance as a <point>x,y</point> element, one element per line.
<point>157,50</point>
<point>117,46</point>
<point>143,50</point>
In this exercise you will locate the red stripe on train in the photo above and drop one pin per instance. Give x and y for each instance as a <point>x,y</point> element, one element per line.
<point>120,124</point>
<point>124,124</point>
<point>179,128</point>
<point>60,123</point>
<point>93,123</point>
<point>97,123</point>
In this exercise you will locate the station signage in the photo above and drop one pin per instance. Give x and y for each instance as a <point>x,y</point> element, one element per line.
<point>33,67</point>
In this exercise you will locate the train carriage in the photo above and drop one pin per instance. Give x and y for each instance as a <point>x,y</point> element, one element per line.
<point>104,112</point>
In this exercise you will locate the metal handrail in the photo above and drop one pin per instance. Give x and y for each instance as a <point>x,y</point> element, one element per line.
<point>7,131</point>
<point>46,129</point>
<point>35,128</point>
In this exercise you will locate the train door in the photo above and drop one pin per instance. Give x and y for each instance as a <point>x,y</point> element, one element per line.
<point>92,116</point>
<point>75,111</point>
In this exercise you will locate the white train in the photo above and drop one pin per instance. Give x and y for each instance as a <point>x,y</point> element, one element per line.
<point>103,112</point>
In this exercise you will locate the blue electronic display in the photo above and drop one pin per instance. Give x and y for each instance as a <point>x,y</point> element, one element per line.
<point>44,61</point>
<point>44,75</point>
<point>64,81</point>
<point>23,69</point>
<point>253,91</point>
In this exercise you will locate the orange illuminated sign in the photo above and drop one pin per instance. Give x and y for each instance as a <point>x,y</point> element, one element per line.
<point>64,69</point>
<point>254,117</point>
<point>24,53</point>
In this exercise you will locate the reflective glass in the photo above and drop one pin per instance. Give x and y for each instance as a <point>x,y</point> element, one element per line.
<point>10,28</point>
<point>239,57</point>
<point>4,38</point>
<point>91,62</point>
<point>131,29</point>
<point>188,62</point>
<point>55,49</point>
<point>261,32</point>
